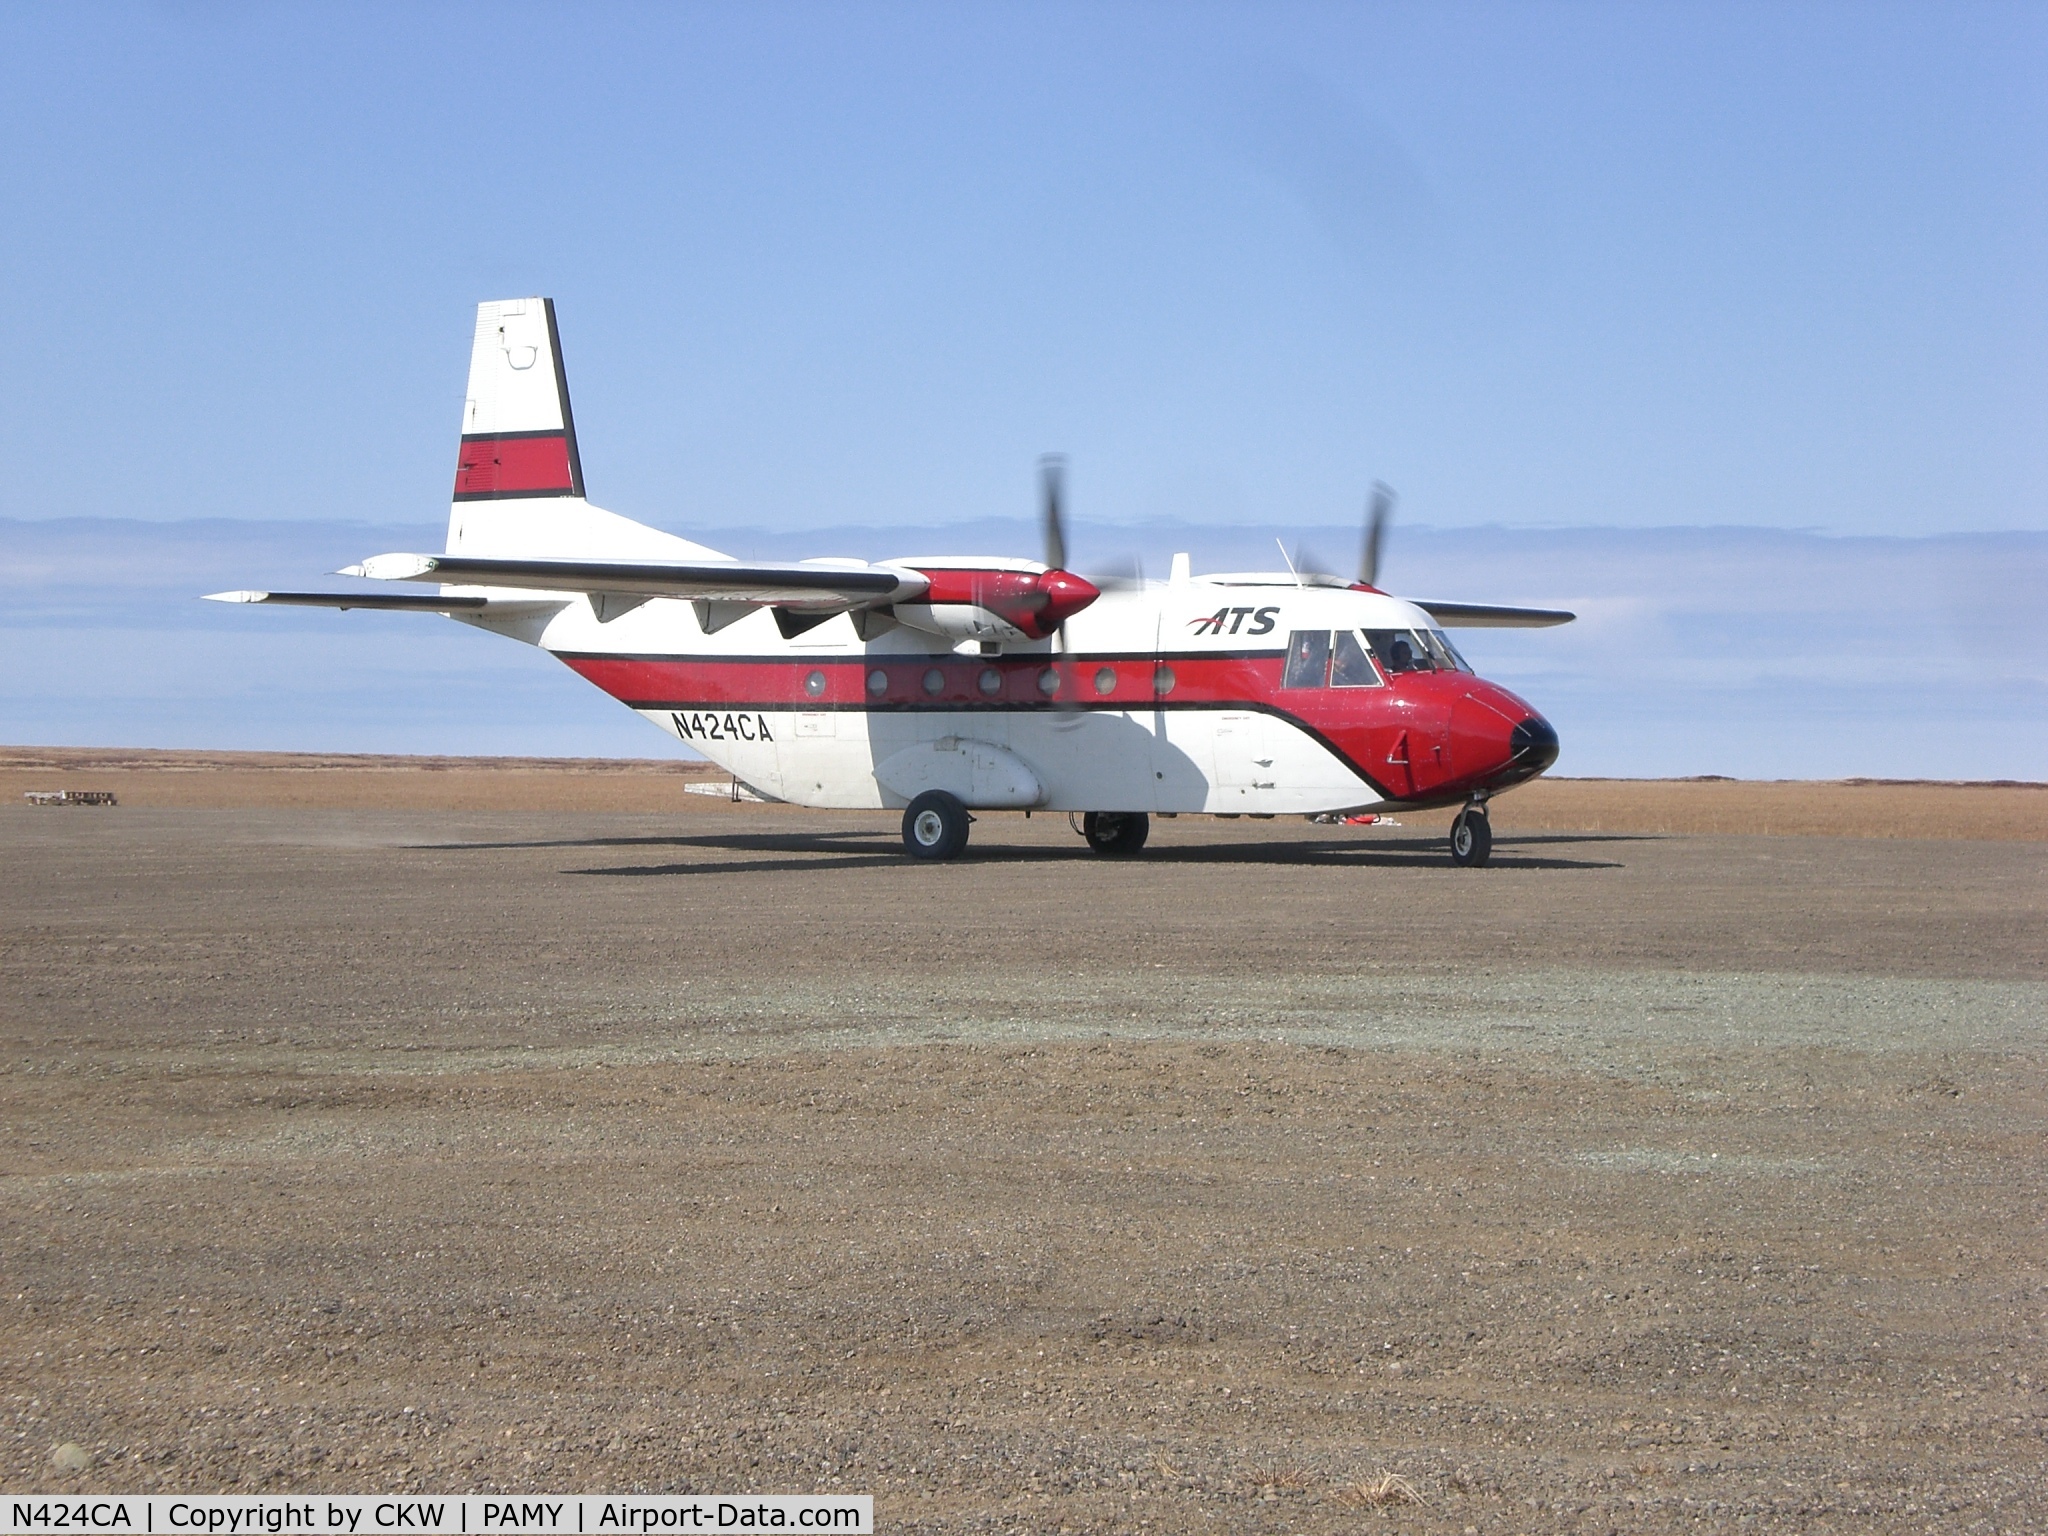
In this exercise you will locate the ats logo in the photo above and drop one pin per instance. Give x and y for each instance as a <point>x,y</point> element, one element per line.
<point>1233,618</point>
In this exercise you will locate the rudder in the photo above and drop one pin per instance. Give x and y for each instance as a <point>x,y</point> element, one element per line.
<point>518,432</point>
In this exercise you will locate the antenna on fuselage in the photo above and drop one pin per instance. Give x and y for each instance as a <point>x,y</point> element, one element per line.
<point>1290,562</point>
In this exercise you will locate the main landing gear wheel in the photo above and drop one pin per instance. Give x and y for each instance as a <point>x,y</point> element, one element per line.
<point>1116,833</point>
<point>935,826</point>
<point>1471,838</point>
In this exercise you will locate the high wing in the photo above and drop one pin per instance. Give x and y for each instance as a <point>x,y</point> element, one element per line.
<point>1491,616</point>
<point>724,590</point>
<point>810,584</point>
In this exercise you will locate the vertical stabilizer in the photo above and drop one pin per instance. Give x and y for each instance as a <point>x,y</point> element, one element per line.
<point>518,434</point>
<point>518,476</point>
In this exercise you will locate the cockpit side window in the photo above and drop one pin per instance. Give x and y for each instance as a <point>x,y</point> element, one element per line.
<point>1350,667</point>
<point>1308,659</point>
<point>1450,651</point>
<point>1447,659</point>
<point>1399,650</point>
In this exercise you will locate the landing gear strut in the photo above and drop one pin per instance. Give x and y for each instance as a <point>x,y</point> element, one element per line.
<point>1471,837</point>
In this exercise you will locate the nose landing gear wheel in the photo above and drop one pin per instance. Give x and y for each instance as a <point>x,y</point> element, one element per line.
<point>935,826</point>
<point>1116,833</point>
<point>1471,838</point>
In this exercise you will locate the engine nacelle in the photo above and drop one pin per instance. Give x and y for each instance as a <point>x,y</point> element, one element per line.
<point>993,603</point>
<point>957,621</point>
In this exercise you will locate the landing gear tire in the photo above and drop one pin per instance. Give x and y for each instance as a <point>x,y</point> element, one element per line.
<point>1471,838</point>
<point>1117,834</point>
<point>935,826</point>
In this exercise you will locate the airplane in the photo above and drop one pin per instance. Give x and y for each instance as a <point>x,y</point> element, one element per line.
<point>948,685</point>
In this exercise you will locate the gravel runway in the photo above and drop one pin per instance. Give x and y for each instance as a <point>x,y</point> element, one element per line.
<point>1636,1182</point>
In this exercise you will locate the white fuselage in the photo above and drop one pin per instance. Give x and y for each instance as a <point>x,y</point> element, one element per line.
<point>1165,701</point>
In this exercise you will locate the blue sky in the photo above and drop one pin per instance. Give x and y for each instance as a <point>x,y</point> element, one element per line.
<point>1627,265</point>
<point>1726,323</point>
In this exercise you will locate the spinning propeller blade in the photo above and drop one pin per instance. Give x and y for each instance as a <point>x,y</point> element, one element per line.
<point>1052,487</point>
<point>1052,496</point>
<point>1376,522</point>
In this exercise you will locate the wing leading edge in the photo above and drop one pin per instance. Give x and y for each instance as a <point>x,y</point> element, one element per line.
<point>403,601</point>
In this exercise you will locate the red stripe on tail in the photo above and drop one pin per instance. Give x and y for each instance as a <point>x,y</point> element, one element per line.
<point>535,464</point>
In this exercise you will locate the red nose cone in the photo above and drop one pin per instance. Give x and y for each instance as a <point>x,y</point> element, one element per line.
<point>1065,595</point>
<point>1498,740</point>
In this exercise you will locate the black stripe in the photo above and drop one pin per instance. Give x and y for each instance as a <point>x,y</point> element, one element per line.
<point>707,573</point>
<point>904,658</point>
<point>397,602</point>
<point>558,492</point>
<point>1484,615</point>
<point>975,706</point>
<point>511,437</point>
<point>562,391</point>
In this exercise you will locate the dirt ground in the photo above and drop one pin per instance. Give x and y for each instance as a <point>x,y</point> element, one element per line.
<point>1638,1182</point>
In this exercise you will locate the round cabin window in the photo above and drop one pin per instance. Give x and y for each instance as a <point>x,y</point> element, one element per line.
<point>814,684</point>
<point>1163,681</point>
<point>1049,681</point>
<point>990,681</point>
<point>934,681</point>
<point>878,681</point>
<point>1105,679</point>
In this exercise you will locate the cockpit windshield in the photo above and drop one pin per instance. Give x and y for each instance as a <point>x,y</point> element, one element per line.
<point>1414,650</point>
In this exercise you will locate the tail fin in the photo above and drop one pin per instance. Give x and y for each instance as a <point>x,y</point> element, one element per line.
<point>518,436</point>
<point>519,477</point>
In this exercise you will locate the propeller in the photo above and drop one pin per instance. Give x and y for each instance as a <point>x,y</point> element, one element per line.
<point>1376,521</point>
<point>1304,562</point>
<point>1052,487</point>
<point>1052,494</point>
<point>1052,521</point>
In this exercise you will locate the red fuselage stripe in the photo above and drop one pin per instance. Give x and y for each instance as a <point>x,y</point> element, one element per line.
<point>1423,736</point>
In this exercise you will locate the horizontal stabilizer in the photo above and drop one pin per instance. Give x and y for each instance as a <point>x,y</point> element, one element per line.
<point>816,586</point>
<point>1490,616</point>
<point>406,602</point>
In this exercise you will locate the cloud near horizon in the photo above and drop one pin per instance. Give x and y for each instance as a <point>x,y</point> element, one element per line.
<point>1755,653</point>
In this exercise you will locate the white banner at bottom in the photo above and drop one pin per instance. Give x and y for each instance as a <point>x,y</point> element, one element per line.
<point>576,1514</point>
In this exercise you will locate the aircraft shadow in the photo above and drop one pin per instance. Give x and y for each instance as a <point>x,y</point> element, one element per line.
<point>833,842</point>
<point>815,852</point>
<point>738,842</point>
